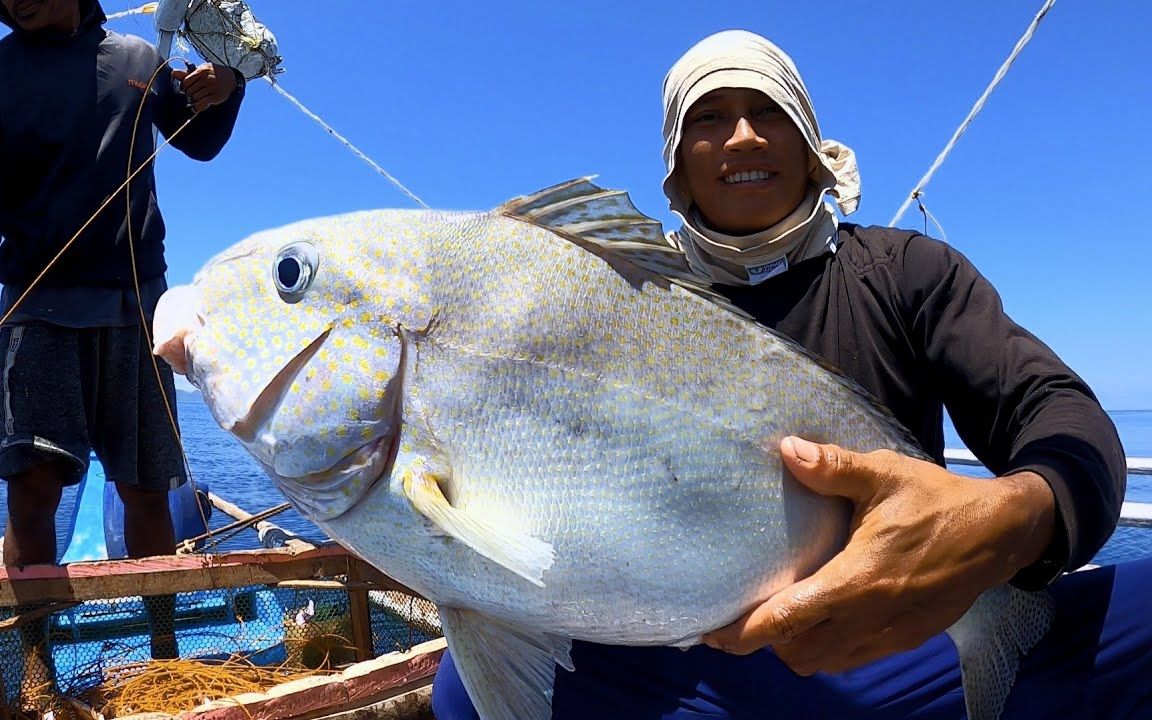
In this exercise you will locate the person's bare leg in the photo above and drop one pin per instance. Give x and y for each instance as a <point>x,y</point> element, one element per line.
<point>30,539</point>
<point>33,496</point>
<point>148,532</point>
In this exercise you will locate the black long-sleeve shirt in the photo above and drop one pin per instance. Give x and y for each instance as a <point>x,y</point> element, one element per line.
<point>912,321</point>
<point>68,105</point>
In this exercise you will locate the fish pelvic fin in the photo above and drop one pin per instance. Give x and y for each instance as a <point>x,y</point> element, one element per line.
<point>520,553</point>
<point>508,671</point>
<point>1002,626</point>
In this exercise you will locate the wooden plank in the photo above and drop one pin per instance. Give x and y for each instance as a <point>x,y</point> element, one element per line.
<point>380,581</point>
<point>324,585</point>
<point>422,615</point>
<point>167,574</point>
<point>361,614</point>
<point>412,703</point>
<point>360,684</point>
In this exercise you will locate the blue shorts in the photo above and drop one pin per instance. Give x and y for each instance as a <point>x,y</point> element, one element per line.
<point>1096,662</point>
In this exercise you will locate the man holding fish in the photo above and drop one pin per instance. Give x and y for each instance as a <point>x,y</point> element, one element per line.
<point>696,478</point>
<point>920,329</point>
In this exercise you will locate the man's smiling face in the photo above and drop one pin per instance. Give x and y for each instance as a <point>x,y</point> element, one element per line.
<point>743,161</point>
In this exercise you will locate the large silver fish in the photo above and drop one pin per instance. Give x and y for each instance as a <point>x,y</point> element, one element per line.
<point>534,417</point>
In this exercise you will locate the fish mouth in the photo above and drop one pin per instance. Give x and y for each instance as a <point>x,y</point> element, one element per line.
<point>378,457</point>
<point>322,496</point>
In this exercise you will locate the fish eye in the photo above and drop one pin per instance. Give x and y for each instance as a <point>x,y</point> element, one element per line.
<point>294,270</point>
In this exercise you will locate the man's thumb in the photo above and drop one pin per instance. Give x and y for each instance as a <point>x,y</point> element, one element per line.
<point>827,469</point>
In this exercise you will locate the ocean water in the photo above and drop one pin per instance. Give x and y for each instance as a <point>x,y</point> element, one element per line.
<point>218,461</point>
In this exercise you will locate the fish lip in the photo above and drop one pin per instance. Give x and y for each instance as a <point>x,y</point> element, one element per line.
<point>270,395</point>
<point>391,453</point>
<point>381,455</point>
<point>397,424</point>
<point>189,364</point>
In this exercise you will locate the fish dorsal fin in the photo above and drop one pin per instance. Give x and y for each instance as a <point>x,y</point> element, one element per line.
<point>582,208</point>
<point>606,223</point>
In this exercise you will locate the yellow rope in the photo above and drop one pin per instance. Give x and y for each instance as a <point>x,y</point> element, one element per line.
<point>168,402</point>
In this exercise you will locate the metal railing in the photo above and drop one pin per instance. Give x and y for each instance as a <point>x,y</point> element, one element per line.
<point>1132,514</point>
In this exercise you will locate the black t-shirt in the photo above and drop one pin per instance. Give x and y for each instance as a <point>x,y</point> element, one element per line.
<point>911,320</point>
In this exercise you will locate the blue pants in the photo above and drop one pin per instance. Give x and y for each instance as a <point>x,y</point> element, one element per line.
<point>1096,662</point>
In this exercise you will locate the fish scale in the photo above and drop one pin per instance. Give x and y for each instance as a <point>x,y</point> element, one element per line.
<point>540,419</point>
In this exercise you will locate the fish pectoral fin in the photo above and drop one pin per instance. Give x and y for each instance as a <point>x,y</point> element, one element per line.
<point>1003,624</point>
<point>523,554</point>
<point>508,671</point>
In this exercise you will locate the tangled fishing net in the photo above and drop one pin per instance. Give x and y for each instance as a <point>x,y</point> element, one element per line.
<point>227,32</point>
<point>171,687</point>
<point>175,686</point>
<point>222,31</point>
<point>99,659</point>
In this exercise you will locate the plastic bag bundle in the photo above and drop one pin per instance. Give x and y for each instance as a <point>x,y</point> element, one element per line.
<point>222,31</point>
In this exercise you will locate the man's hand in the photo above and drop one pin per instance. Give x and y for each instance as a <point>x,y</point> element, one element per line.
<point>206,85</point>
<point>924,544</point>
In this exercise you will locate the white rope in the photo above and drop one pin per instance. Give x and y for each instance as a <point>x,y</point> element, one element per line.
<point>975,109</point>
<point>927,216</point>
<point>344,141</point>
<point>145,9</point>
<point>149,8</point>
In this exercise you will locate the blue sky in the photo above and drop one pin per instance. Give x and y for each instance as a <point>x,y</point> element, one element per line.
<point>472,103</point>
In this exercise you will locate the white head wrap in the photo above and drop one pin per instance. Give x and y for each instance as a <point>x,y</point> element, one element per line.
<point>740,59</point>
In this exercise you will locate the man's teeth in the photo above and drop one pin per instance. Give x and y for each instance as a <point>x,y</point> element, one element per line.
<point>750,176</point>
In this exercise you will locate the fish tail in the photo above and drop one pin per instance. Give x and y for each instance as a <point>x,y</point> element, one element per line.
<point>1003,625</point>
